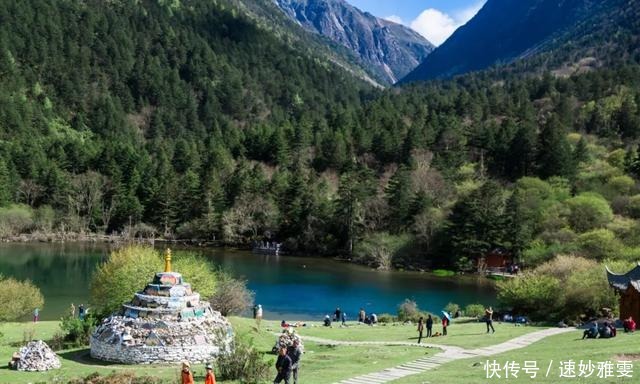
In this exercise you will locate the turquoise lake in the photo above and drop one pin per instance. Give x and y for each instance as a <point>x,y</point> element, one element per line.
<point>288,287</point>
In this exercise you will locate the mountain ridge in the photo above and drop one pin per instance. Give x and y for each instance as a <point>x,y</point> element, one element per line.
<point>390,49</point>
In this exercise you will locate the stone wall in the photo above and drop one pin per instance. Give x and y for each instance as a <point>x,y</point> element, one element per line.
<point>152,354</point>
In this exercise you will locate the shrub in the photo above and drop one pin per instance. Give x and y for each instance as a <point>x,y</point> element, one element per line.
<point>633,207</point>
<point>77,332</point>
<point>18,298</point>
<point>117,378</point>
<point>408,311</point>
<point>386,318</point>
<point>15,219</point>
<point>599,244</point>
<point>452,308</point>
<point>621,185</point>
<point>242,362</point>
<point>588,211</point>
<point>474,310</point>
<point>532,294</point>
<point>231,296</point>
<point>380,250</point>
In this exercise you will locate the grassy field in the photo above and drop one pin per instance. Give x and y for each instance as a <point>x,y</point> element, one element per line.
<point>465,335</point>
<point>321,364</point>
<point>549,351</point>
<point>326,364</point>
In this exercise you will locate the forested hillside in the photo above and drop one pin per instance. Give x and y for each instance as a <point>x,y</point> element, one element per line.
<point>185,119</point>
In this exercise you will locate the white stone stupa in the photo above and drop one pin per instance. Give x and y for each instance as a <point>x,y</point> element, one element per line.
<point>164,323</point>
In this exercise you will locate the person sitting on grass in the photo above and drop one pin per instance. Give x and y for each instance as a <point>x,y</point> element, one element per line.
<point>591,332</point>
<point>327,321</point>
<point>605,331</point>
<point>629,325</point>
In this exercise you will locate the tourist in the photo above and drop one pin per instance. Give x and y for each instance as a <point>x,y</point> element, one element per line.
<point>605,331</point>
<point>209,378</point>
<point>445,322</point>
<point>255,311</point>
<point>187,376</point>
<point>337,315</point>
<point>374,319</point>
<point>629,325</point>
<point>36,315</point>
<point>73,310</point>
<point>283,365</point>
<point>327,321</point>
<point>295,353</point>
<point>361,316</point>
<point>420,328</point>
<point>259,315</point>
<point>591,332</point>
<point>81,312</point>
<point>344,318</point>
<point>429,325</point>
<point>488,317</point>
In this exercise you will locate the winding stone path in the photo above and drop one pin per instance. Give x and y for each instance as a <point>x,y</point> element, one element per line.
<point>449,353</point>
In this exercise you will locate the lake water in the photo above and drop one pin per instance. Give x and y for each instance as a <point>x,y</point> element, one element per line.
<point>291,288</point>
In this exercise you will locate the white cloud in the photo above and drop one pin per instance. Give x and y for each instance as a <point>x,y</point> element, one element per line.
<point>394,18</point>
<point>436,26</point>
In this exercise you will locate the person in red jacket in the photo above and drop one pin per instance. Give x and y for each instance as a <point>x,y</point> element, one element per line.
<point>445,322</point>
<point>629,325</point>
<point>187,376</point>
<point>210,378</point>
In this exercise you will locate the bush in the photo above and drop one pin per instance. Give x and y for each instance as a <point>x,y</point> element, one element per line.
<point>532,294</point>
<point>243,362</point>
<point>452,308</point>
<point>474,310</point>
<point>381,249</point>
<point>588,211</point>
<point>18,298</point>
<point>386,318</point>
<point>231,296</point>
<point>77,332</point>
<point>633,207</point>
<point>117,378</point>
<point>129,268</point>
<point>408,311</point>
<point>599,244</point>
<point>15,219</point>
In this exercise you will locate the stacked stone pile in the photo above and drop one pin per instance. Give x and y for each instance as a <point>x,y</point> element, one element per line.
<point>37,356</point>
<point>164,323</point>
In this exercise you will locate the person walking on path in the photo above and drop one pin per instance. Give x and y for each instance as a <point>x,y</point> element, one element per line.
<point>187,376</point>
<point>36,315</point>
<point>209,378</point>
<point>488,316</point>
<point>295,354</point>
<point>445,322</point>
<point>283,365</point>
<point>337,315</point>
<point>259,315</point>
<point>344,318</point>
<point>429,325</point>
<point>420,329</point>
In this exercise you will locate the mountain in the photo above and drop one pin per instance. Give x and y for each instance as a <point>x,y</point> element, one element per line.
<point>562,32</point>
<point>391,50</point>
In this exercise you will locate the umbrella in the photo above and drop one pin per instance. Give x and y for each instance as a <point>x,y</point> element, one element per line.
<point>447,315</point>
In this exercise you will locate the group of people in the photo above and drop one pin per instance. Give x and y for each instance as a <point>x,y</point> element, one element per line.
<point>82,311</point>
<point>428,324</point>
<point>288,363</point>
<point>187,375</point>
<point>604,331</point>
<point>341,316</point>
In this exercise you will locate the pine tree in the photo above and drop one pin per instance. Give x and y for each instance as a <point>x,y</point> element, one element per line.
<point>5,184</point>
<point>554,151</point>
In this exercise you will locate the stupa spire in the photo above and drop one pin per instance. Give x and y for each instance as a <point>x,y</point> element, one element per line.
<point>167,260</point>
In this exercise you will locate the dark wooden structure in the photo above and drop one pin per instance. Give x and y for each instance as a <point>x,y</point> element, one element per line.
<point>628,288</point>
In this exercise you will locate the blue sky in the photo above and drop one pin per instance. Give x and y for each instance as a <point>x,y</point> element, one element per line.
<point>434,19</point>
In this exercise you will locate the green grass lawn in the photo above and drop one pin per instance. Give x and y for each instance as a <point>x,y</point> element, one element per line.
<point>321,364</point>
<point>465,335</point>
<point>557,348</point>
